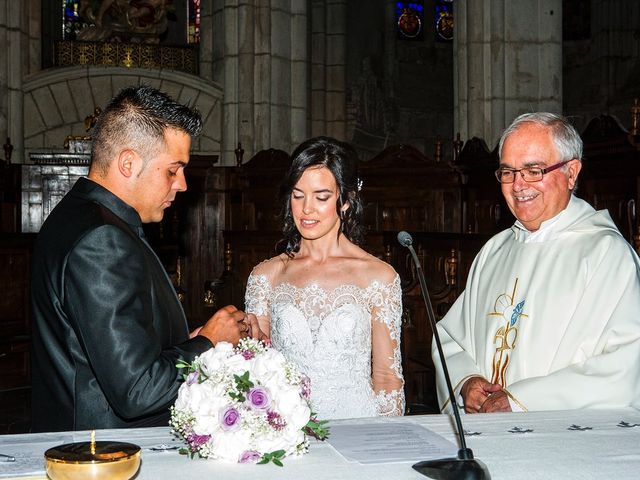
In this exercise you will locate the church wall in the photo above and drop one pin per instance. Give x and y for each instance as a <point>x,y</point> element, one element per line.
<point>56,102</point>
<point>261,60</point>
<point>399,91</point>
<point>601,58</point>
<point>288,70</point>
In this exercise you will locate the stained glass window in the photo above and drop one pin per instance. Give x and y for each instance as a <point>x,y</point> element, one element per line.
<point>72,22</point>
<point>194,22</point>
<point>410,20</point>
<point>444,20</point>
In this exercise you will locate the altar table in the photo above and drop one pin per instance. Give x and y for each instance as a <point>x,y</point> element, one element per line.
<point>578,444</point>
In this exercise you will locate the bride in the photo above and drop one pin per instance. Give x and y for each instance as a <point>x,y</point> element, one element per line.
<point>327,305</point>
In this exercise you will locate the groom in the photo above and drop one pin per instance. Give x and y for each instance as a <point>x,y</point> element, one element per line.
<point>108,328</point>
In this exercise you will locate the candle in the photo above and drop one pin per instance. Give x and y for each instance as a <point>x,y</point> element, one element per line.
<point>93,460</point>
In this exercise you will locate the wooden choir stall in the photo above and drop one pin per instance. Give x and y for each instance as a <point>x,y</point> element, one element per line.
<point>228,221</point>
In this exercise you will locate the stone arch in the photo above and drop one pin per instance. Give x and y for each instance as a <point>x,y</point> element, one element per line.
<point>56,102</point>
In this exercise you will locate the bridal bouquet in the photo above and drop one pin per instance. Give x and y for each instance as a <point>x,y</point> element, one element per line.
<point>244,404</point>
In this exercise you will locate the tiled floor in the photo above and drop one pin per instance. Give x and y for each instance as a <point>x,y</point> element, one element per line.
<point>15,411</point>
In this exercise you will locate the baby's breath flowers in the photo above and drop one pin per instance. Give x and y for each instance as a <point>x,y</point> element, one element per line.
<point>245,404</point>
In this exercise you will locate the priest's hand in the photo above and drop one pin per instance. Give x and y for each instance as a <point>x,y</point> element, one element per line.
<point>475,392</point>
<point>497,402</point>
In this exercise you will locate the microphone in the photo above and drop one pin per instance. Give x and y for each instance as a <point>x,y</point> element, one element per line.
<point>464,466</point>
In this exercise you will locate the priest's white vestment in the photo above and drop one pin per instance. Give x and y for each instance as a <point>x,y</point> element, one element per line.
<point>555,322</point>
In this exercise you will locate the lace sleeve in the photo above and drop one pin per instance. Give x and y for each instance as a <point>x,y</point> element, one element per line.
<point>386,368</point>
<point>257,294</point>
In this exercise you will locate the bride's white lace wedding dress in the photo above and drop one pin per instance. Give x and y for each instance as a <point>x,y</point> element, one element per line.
<point>329,334</point>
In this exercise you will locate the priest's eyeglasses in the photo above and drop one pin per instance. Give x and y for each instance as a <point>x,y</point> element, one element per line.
<point>529,174</point>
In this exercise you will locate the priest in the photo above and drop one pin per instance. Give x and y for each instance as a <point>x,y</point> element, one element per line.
<point>550,317</point>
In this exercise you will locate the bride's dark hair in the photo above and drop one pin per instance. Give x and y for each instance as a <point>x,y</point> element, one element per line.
<point>342,161</point>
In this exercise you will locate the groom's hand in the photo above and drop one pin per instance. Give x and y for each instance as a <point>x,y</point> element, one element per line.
<point>226,325</point>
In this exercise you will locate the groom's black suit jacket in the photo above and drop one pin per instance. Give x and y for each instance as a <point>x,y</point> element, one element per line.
<point>107,325</point>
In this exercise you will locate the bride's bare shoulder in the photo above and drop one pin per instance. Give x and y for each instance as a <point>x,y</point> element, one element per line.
<point>271,267</point>
<point>376,269</point>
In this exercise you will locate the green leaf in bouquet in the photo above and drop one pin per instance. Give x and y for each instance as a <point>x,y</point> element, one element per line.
<point>274,457</point>
<point>237,396</point>
<point>316,428</point>
<point>186,451</point>
<point>192,368</point>
<point>184,365</point>
<point>243,384</point>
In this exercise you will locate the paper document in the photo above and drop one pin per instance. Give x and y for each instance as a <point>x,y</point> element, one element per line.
<point>389,442</point>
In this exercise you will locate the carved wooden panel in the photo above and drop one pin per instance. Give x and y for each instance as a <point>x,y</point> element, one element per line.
<point>45,183</point>
<point>15,264</point>
<point>189,240</point>
<point>404,189</point>
<point>483,208</point>
<point>611,172</point>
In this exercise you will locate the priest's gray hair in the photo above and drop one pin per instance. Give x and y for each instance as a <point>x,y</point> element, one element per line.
<point>565,136</point>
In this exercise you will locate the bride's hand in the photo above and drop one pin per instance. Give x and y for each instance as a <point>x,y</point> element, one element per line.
<point>254,329</point>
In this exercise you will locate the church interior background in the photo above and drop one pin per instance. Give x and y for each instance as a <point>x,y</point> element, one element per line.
<point>421,88</point>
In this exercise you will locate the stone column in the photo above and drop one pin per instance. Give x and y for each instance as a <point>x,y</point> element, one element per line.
<point>508,60</point>
<point>206,41</point>
<point>225,73</point>
<point>328,69</point>
<point>318,69</point>
<point>14,42</point>
<point>300,128</point>
<point>260,59</point>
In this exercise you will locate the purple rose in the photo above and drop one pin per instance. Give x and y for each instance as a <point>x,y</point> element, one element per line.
<point>259,398</point>
<point>229,419</point>
<point>249,456</point>
<point>192,378</point>
<point>195,441</point>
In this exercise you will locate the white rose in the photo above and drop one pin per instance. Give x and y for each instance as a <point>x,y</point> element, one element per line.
<point>292,438</point>
<point>271,444</point>
<point>184,396</point>
<point>286,439</point>
<point>267,368</point>
<point>206,425</point>
<point>223,348</point>
<point>202,398</point>
<point>214,359</point>
<point>190,397</point>
<point>298,416</point>
<point>230,445</point>
<point>288,398</point>
<point>237,364</point>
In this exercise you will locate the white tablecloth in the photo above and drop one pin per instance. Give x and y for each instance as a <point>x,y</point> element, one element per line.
<point>581,444</point>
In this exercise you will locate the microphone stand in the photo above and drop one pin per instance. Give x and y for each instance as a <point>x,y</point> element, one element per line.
<point>464,466</point>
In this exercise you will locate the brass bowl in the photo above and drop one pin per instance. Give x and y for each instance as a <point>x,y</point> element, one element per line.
<point>87,461</point>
